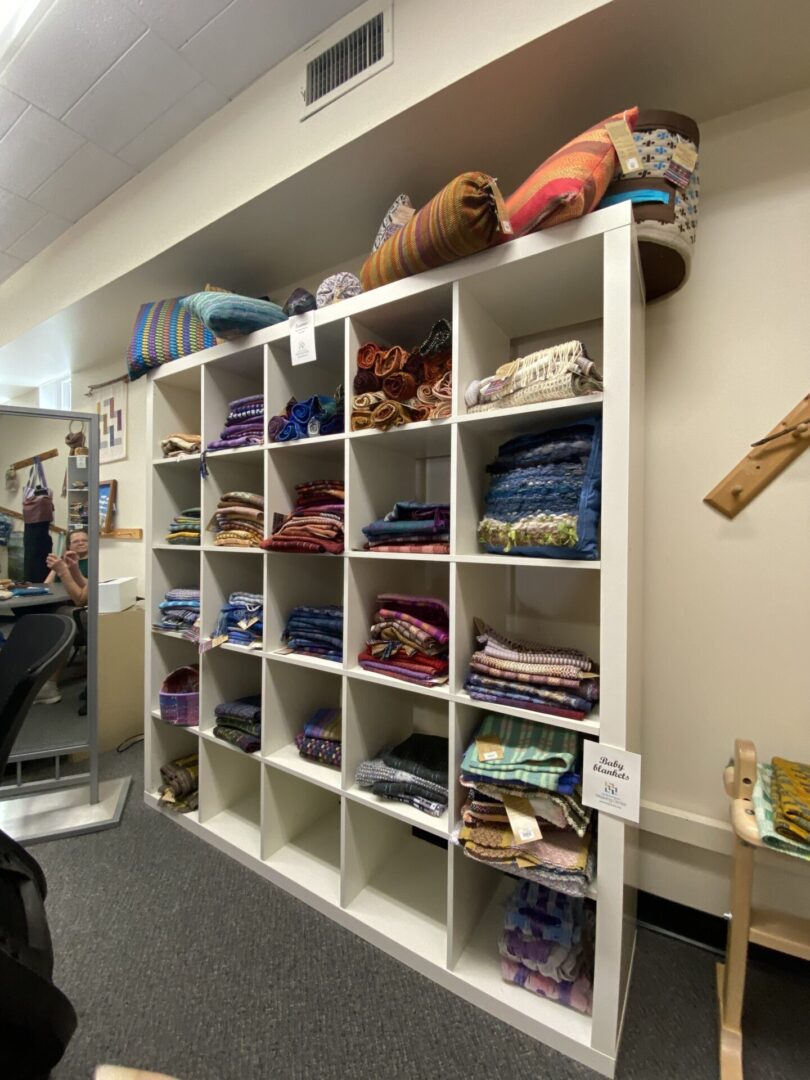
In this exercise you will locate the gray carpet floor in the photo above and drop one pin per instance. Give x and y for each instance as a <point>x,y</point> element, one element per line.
<point>178,959</point>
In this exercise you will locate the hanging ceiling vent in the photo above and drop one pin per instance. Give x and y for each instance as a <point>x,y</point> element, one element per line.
<point>343,63</point>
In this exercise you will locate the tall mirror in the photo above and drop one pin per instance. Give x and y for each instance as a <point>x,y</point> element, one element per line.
<point>49,526</point>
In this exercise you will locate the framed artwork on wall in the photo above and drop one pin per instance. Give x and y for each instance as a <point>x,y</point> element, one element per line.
<point>107,490</point>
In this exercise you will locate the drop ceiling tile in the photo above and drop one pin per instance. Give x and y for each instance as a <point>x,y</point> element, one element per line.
<point>11,109</point>
<point>16,217</point>
<point>72,47</point>
<point>46,230</point>
<point>169,128</point>
<point>138,88</point>
<point>82,182</point>
<point>8,265</point>
<point>177,20</point>
<point>32,149</point>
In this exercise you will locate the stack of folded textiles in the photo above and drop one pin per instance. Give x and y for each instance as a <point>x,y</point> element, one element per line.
<point>179,788</point>
<point>244,424</point>
<point>240,723</point>
<point>393,386</point>
<point>321,738</point>
<point>547,945</point>
<point>239,520</point>
<point>563,371</point>
<point>529,675</point>
<point>782,806</point>
<point>408,639</point>
<point>544,494</point>
<point>413,527</point>
<point>534,765</point>
<point>241,620</point>
<point>180,445</point>
<point>184,530</point>
<point>316,523</point>
<point>180,612</point>
<point>318,415</point>
<point>315,632</point>
<point>414,772</point>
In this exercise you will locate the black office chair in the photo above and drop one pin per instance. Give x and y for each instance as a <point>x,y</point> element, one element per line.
<point>36,1019</point>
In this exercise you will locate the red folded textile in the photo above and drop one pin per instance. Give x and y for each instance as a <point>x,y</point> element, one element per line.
<point>399,385</point>
<point>367,355</point>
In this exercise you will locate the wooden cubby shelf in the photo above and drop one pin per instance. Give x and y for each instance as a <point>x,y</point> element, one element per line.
<point>383,869</point>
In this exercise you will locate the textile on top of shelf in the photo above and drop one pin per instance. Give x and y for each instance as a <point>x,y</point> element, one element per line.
<point>244,424</point>
<point>318,415</point>
<point>180,780</point>
<point>412,527</point>
<point>230,315</point>
<point>316,523</point>
<point>241,620</point>
<point>414,772</point>
<point>545,494</point>
<point>180,444</point>
<point>547,945</point>
<point>563,371</point>
<point>164,330</point>
<point>395,387</point>
<point>239,520</point>
<point>315,631</point>
<point>408,639</point>
<point>299,301</point>
<point>321,739</point>
<point>180,612</point>
<point>790,795</point>
<point>184,529</point>
<point>519,759</point>
<point>765,811</point>
<point>239,723</point>
<point>531,675</point>
<point>338,287</point>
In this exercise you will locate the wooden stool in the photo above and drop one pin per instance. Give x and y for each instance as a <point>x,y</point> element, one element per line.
<point>775,930</point>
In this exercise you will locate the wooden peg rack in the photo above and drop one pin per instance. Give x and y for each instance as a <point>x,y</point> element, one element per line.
<point>27,462</point>
<point>764,462</point>
<point>122,534</point>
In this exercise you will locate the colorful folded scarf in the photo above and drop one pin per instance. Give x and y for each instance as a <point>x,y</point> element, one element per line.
<point>790,795</point>
<point>180,779</point>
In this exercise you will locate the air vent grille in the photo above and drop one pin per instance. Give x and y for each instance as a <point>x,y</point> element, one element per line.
<point>347,62</point>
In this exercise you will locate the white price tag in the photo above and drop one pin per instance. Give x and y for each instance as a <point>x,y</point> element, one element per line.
<point>302,338</point>
<point>611,780</point>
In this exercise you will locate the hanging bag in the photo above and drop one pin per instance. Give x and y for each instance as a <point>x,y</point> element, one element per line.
<point>37,496</point>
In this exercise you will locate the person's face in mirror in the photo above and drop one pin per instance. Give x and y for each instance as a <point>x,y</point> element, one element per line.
<point>79,543</point>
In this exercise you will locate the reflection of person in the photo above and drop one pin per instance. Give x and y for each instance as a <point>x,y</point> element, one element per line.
<point>68,572</point>
<point>78,542</point>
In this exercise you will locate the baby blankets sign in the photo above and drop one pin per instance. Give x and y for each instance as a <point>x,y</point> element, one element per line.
<point>611,780</point>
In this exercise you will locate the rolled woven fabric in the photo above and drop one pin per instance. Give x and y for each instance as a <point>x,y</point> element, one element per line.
<point>438,340</point>
<point>420,412</point>
<point>468,215</point>
<point>361,421</point>
<point>426,396</point>
<point>274,427</point>
<point>288,432</point>
<point>299,301</point>
<point>386,415</point>
<point>368,401</point>
<point>367,354</point>
<point>338,287</point>
<point>400,386</point>
<point>441,412</point>
<point>366,382</point>
<point>415,366</point>
<point>434,367</point>
<point>388,362</point>
<point>443,387</point>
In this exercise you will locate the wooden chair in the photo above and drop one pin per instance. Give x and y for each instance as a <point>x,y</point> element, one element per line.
<point>773,929</point>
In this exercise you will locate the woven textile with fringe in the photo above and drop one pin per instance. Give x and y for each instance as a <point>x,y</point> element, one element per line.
<point>561,371</point>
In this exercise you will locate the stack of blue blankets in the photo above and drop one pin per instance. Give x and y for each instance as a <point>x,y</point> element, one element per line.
<point>316,632</point>
<point>241,620</point>
<point>180,613</point>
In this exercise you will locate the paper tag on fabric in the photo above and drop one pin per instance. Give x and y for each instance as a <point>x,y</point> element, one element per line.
<point>521,819</point>
<point>624,144</point>
<point>488,748</point>
<point>525,864</point>
<point>245,624</point>
<point>682,164</point>
<point>611,780</point>
<point>206,644</point>
<point>81,461</point>
<point>302,338</point>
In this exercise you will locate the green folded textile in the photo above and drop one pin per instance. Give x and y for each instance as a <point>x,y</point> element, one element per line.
<point>764,813</point>
<point>529,749</point>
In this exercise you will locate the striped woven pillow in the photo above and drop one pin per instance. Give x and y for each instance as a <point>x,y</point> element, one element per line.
<point>164,331</point>
<point>568,184</point>
<point>465,217</point>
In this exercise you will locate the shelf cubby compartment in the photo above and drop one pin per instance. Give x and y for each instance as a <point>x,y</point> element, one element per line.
<point>225,677</point>
<point>174,568</point>
<point>173,490</point>
<point>301,832</point>
<point>177,408</point>
<point>409,463</point>
<point>543,604</point>
<point>224,573</point>
<point>405,322</point>
<point>301,381</point>
<point>292,695</point>
<point>378,717</point>
<point>168,741</point>
<point>313,460</point>
<point>395,881</point>
<point>237,375</point>
<point>168,652</point>
<point>230,797</point>
<point>230,472</point>
<point>367,578</point>
<point>478,894</point>
<point>316,585</point>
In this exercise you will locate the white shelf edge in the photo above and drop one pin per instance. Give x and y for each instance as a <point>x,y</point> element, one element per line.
<point>187,459</point>
<point>590,725</point>
<point>575,404</point>
<point>176,547</point>
<point>223,550</point>
<point>318,440</point>
<point>288,760</point>
<point>441,692</point>
<point>230,647</point>
<point>491,559</point>
<point>414,556</point>
<point>401,811</point>
<point>209,736</point>
<point>302,660</point>
<point>238,451</point>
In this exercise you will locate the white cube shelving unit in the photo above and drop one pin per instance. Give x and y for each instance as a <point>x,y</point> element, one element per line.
<point>380,868</point>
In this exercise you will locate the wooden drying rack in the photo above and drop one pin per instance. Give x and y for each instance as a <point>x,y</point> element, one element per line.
<point>773,929</point>
<point>27,462</point>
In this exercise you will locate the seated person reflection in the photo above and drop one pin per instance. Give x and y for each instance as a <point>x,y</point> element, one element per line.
<point>68,570</point>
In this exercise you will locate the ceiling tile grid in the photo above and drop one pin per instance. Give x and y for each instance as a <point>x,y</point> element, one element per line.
<point>96,90</point>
